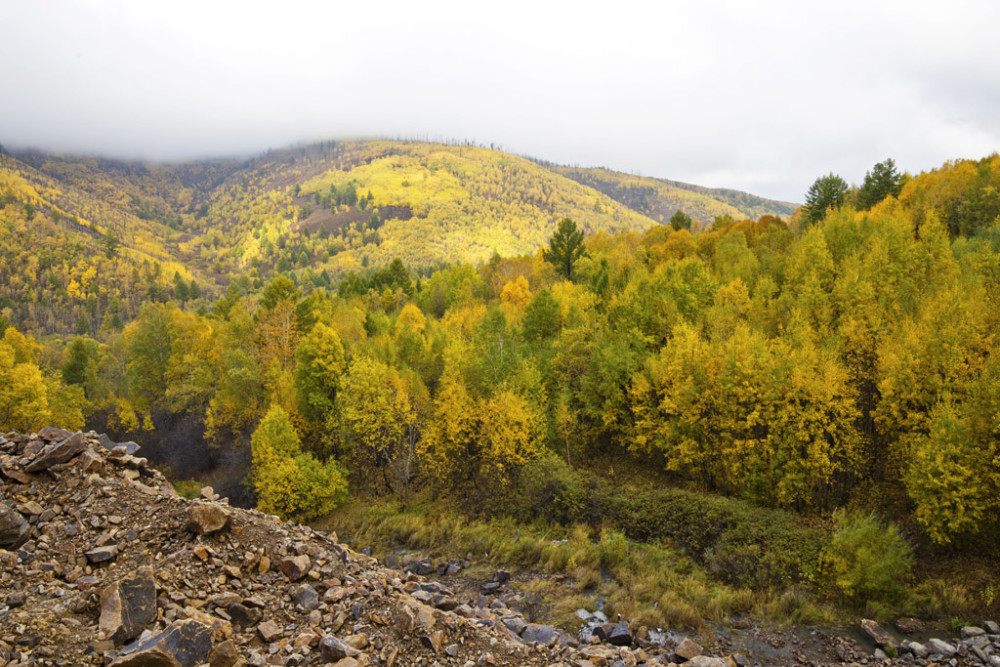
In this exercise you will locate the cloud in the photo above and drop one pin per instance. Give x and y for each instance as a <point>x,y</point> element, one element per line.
<point>758,96</point>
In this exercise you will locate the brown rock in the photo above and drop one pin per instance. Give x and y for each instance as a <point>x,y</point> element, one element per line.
<point>332,649</point>
<point>127,606</point>
<point>14,529</point>
<point>61,453</point>
<point>184,643</point>
<point>295,567</point>
<point>876,633</point>
<point>224,655</point>
<point>433,641</point>
<point>688,649</point>
<point>207,518</point>
<point>269,631</point>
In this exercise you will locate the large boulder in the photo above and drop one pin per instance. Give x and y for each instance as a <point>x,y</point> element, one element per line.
<point>60,453</point>
<point>127,606</point>
<point>207,518</point>
<point>184,643</point>
<point>688,649</point>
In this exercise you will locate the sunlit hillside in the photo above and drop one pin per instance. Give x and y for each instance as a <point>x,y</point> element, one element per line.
<point>659,199</point>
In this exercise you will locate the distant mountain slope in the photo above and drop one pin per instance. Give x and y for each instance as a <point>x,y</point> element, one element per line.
<point>99,237</point>
<point>659,199</point>
<point>347,205</point>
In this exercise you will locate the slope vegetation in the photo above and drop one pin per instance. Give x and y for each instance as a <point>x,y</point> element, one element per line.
<point>659,199</point>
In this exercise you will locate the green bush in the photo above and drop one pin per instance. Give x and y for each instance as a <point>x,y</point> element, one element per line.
<point>741,543</point>
<point>548,488</point>
<point>866,558</point>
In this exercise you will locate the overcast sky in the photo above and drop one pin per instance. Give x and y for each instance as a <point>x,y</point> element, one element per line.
<point>759,96</point>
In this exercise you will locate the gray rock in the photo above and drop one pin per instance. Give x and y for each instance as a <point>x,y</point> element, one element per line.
<point>541,634</point>
<point>916,648</point>
<point>305,596</point>
<point>243,615</point>
<point>13,528</point>
<point>991,627</point>
<point>127,606</point>
<point>972,631</point>
<point>53,434</point>
<point>102,554</point>
<point>184,643</point>
<point>61,453</point>
<point>705,661</point>
<point>515,624</point>
<point>620,635</point>
<point>935,645</point>
<point>207,518</point>
<point>877,634</point>
<point>332,649</point>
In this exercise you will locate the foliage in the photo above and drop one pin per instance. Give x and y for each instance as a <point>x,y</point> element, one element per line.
<point>289,482</point>
<point>826,192</point>
<point>565,248</point>
<point>866,558</point>
<point>881,182</point>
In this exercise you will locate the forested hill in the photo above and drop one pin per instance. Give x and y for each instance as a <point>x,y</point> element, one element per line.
<point>88,239</point>
<point>659,199</point>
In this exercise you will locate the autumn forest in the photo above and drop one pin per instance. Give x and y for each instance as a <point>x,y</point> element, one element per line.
<point>422,323</point>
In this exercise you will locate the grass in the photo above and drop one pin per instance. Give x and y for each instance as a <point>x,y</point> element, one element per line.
<point>651,583</point>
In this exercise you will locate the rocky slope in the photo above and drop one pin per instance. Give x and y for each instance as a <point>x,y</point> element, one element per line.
<point>102,563</point>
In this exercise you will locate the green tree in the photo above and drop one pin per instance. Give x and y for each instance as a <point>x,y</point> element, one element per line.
<point>289,482</point>
<point>680,220</point>
<point>565,248</point>
<point>882,181</point>
<point>826,192</point>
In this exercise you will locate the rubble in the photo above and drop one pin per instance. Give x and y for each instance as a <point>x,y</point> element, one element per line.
<point>101,563</point>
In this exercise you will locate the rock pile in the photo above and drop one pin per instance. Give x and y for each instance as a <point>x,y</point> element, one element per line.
<point>101,563</point>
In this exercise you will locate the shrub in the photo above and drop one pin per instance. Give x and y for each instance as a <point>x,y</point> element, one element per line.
<point>866,558</point>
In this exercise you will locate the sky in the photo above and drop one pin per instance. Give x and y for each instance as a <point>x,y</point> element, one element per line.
<point>759,96</point>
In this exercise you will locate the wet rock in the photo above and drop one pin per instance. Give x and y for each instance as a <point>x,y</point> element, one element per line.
<point>972,631</point>
<point>127,606</point>
<point>184,643</point>
<point>916,648</point>
<point>935,645</point>
<point>295,567</point>
<point>876,633</point>
<point>332,649</point>
<point>14,529</point>
<point>61,453</point>
<point>910,626</point>
<point>207,518</point>
<point>688,649</point>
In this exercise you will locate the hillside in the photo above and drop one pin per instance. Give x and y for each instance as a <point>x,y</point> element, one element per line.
<point>99,236</point>
<point>659,199</point>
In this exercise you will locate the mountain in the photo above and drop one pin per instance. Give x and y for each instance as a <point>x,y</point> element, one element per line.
<point>659,199</point>
<point>85,241</point>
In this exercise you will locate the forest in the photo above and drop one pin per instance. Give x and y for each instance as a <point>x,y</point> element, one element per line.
<point>834,368</point>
